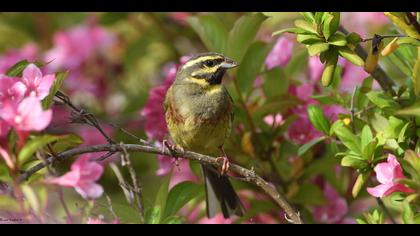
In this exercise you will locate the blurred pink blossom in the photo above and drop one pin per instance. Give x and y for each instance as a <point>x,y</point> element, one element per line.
<point>332,111</point>
<point>75,45</point>
<point>152,112</point>
<point>274,120</point>
<point>335,209</point>
<point>11,57</point>
<point>315,69</point>
<point>280,54</point>
<point>12,90</point>
<point>28,115</point>
<point>388,173</point>
<point>4,128</point>
<point>180,17</point>
<point>302,131</point>
<point>218,219</point>
<point>36,84</point>
<point>363,23</point>
<point>82,176</point>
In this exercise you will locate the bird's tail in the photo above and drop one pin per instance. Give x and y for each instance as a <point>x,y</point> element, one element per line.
<point>220,194</point>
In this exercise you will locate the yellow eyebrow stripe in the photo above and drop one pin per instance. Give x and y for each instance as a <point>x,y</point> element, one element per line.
<point>200,59</point>
<point>205,71</point>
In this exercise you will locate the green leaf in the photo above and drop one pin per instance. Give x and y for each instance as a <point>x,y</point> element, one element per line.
<point>356,162</point>
<point>319,17</point>
<point>349,140</point>
<point>353,38</point>
<point>275,82</point>
<point>369,150</point>
<point>161,200</point>
<point>309,194</point>
<point>409,40</point>
<point>251,65</point>
<point>152,216</point>
<point>413,160</point>
<point>366,136</point>
<point>383,101</point>
<point>413,110</point>
<point>17,69</point>
<point>338,40</point>
<point>126,213</point>
<point>308,39</point>
<point>407,213</point>
<point>416,75</point>
<point>59,77</point>
<point>243,34</point>
<point>292,31</point>
<point>329,72</point>
<point>211,31</point>
<point>31,198</point>
<point>351,56</point>
<point>305,147</point>
<point>302,24</point>
<point>309,16</point>
<point>317,48</point>
<point>180,195</point>
<point>361,180</point>
<point>318,119</point>
<point>173,220</point>
<point>330,23</point>
<point>109,18</point>
<point>39,142</point>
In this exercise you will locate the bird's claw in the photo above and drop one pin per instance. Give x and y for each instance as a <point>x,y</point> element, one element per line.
<point>225,164</point>
<point>173,149</point>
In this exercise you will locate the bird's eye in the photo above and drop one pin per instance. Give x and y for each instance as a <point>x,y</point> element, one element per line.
<point>209,63</point>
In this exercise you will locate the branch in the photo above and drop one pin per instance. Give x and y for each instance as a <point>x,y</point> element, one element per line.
<point>378,74</point>
<point>249,175</point>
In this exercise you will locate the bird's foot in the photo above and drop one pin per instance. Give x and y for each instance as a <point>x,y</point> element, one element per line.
<point>173,149</point>
<point>225,164</point>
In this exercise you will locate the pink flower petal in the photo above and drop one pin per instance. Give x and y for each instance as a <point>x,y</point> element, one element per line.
<point>380,190</point>
<point>32,116</point>
<point>45,86</point>
<point>7,158</point>
<point>90,190</point>
<point>32,73</point>
<point>70,179</point>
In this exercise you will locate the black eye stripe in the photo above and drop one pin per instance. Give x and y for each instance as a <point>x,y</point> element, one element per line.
<point>212,62</point>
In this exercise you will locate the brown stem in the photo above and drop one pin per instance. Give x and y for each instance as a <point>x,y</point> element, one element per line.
<point>378,74</point>
<point>249,175</point>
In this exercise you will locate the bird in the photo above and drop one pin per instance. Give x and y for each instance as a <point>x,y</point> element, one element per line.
<point>199,116</point>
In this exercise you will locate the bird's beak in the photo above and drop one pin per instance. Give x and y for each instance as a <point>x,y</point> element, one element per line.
<point>228,64</point>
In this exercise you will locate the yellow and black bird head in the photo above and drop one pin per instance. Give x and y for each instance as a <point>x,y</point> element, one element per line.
<point>205,69</point>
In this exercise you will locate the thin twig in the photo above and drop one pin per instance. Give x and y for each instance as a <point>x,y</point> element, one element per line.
<point>137,189</point>
<point>250,175</point>
<point>378,74</point>
<point>82,115</point>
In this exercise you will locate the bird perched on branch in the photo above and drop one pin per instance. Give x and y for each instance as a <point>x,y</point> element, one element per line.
<point>199,115</point>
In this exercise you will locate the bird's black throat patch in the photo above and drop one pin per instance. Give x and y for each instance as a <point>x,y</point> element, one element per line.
<point>216,77</point>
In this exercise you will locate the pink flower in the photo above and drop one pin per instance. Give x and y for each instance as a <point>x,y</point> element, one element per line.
<point>152,112</point>
<point>11,90</point>
<point>180,17</point>
<point>274,120</point>
<point>315,69</point>
<point>332,111</point>
<point>388,173</point>
<point>83,175</point>
<point>303,92</point>
<point>27,115</point>
<point>280,54</point>
<point>36,84</point>
<point>335,209</point>
<point>364,23</point>
<point>68,51</point>
<point>11,57</point>
<point>4,128</point>
<point>302,131</point>
<point>218,219</point>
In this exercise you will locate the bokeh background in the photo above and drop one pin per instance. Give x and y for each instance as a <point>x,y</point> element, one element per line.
<point>120,65</point>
